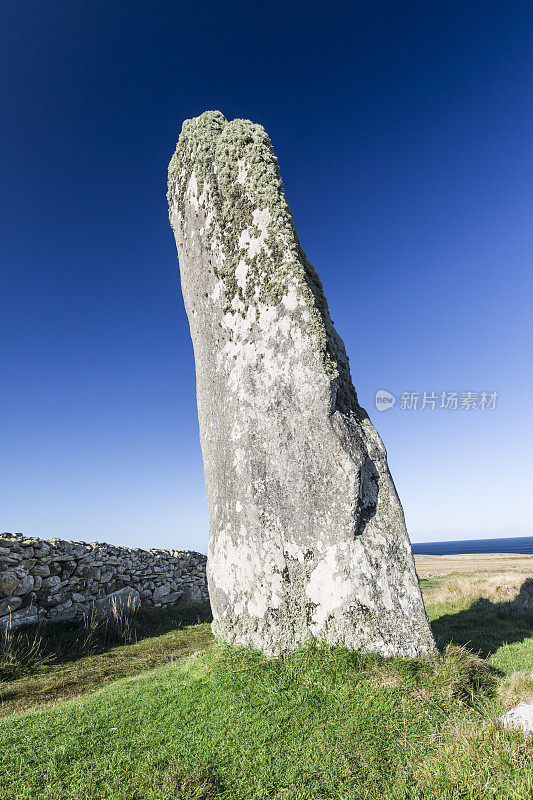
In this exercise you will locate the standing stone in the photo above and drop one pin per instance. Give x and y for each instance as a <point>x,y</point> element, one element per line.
<point>307,534</point>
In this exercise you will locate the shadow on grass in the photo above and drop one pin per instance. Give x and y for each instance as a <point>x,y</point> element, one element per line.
<point>32,648</point>
<point>485,626</point>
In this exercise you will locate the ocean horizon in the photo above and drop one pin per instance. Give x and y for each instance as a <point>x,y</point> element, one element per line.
<point>521,544</point>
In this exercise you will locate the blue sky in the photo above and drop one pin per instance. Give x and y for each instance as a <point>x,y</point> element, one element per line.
<point>403,132</point>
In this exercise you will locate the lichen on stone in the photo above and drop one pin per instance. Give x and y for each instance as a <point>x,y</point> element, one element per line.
<point>236,172</point>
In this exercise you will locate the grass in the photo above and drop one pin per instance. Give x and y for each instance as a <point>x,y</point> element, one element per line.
<point>230,724</point>
<point>45,663</point>
<point>317,723</point>
<point>481,612</point>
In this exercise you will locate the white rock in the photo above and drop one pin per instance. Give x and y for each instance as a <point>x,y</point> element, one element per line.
<point>520,717</point>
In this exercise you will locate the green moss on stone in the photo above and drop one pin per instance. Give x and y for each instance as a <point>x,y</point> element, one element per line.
<point>212,148</point>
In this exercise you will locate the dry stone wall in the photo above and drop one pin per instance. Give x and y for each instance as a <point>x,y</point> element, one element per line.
<point>61,580</point>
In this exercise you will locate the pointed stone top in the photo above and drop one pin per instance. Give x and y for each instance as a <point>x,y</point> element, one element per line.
<point>229,168</point>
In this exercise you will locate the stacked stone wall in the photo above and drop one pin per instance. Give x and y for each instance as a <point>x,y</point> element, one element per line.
<point>59,580</point>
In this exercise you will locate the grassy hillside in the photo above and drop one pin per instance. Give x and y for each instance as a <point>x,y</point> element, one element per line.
<point>318,723</point>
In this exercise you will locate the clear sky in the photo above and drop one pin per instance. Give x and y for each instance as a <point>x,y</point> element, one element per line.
<point>404,136</point>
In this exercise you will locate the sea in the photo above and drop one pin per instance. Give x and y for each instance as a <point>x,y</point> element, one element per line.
<point>522,544</point>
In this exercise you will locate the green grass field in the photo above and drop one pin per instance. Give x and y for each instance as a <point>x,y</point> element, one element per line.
<point>318,723</point>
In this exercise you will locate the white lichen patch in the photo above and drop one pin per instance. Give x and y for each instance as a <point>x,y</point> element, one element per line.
<point>253,244</point>
<point>290,300</point>
<point>218,291</point>
<point>192,191</point>
<point>240,273</point>
<point>242,171</point>
<point>239,563</point>
<point>329,588</point>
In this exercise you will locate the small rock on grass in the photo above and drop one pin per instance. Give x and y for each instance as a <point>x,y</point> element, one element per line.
<point>520,717</point>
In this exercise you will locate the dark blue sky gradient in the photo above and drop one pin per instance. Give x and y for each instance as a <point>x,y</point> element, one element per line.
<point>403,132</point>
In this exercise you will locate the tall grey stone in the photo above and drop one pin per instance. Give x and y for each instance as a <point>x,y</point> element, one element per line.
<point>307,534</point>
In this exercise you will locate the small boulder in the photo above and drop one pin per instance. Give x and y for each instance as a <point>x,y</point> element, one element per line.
<point>8,583</point>
<point>26,584</point>
<point>525,594</point>
<point>23,617</point>
<point>124,601</point>
<point>191,597</point>
<point>520,717</point>
<point>41,570</point>
<point>160,592</point>
<point>173,598</point>
<point>9,604</point>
